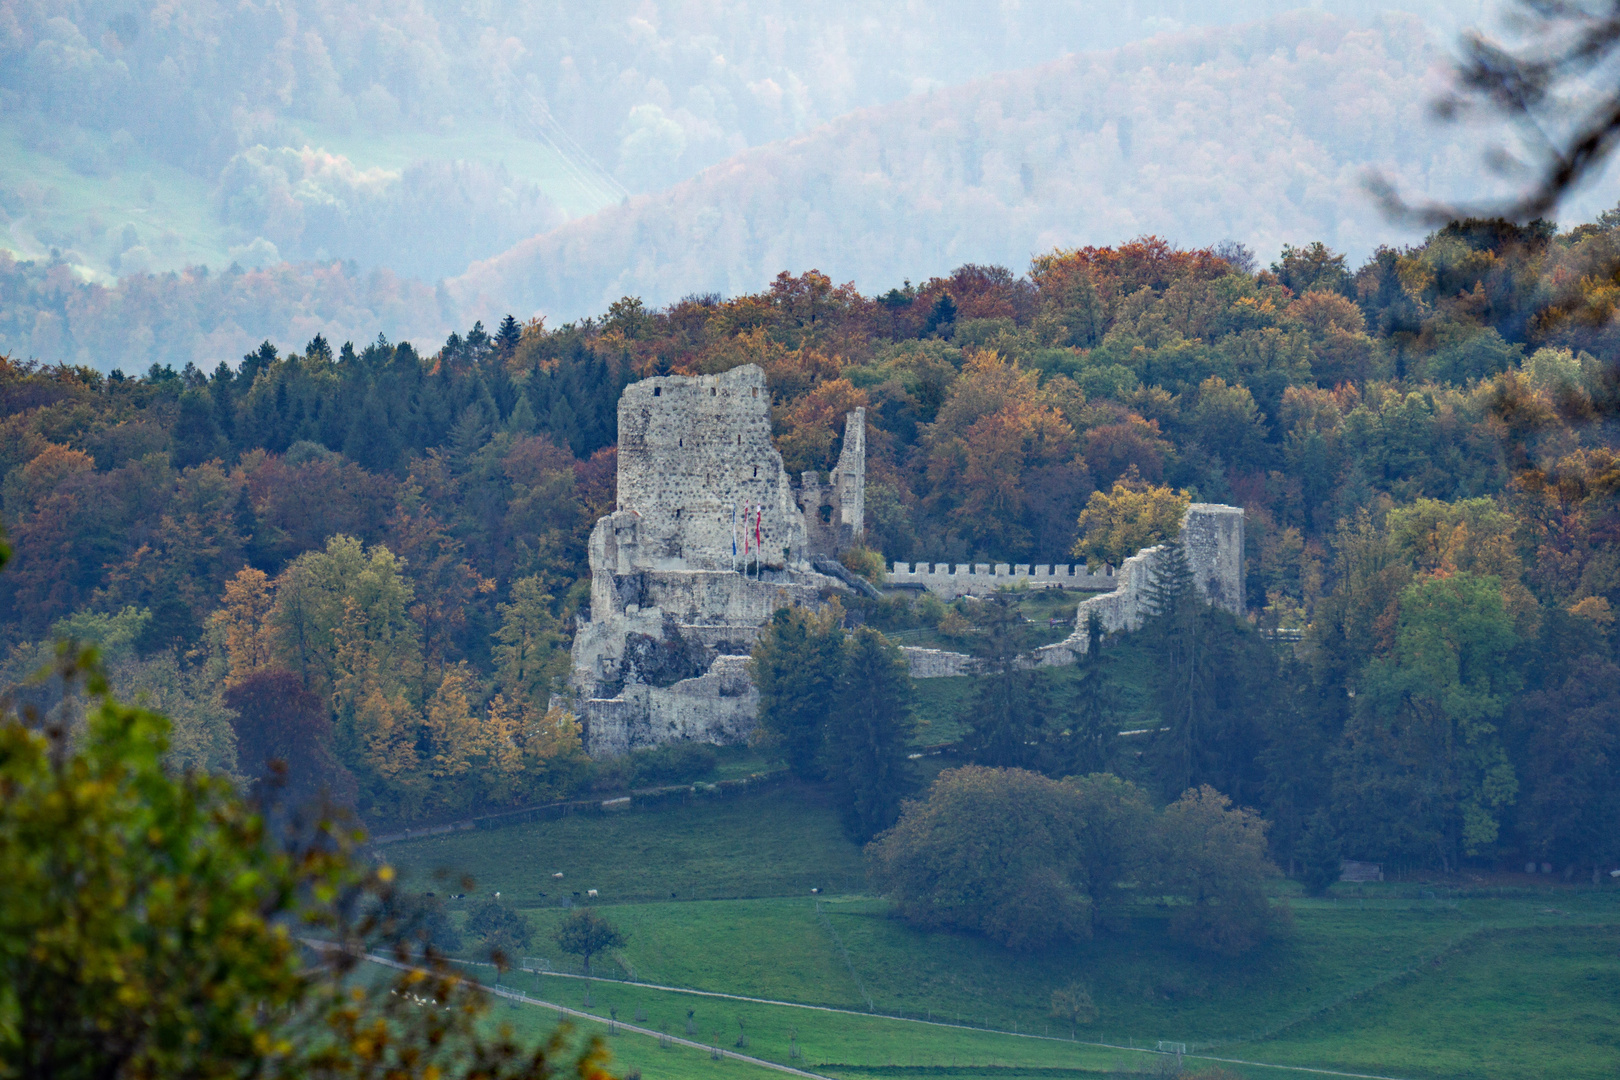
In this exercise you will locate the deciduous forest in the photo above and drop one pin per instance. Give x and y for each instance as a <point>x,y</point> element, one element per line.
<point>368,558</point>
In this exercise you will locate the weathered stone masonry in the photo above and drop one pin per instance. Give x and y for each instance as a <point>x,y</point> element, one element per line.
<point>679,586</point>
<point>1211,536</point>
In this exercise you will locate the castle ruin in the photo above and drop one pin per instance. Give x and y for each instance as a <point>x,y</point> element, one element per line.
<point>711,536</point>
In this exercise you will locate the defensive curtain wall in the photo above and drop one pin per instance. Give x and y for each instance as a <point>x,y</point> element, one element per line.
<point>711,536</point>
<point>1211,538</point>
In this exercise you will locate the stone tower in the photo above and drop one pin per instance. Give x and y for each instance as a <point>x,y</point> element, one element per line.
<point>710,537</point>
<point>835,512</point>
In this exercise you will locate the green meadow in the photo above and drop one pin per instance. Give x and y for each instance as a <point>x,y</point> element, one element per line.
<point>715,896</point>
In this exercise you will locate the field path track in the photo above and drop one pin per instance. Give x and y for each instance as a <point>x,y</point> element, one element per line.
<point>857,1012</point>
<point>563,1010</point>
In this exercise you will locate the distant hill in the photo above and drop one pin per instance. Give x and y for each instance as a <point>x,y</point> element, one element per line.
<point>420,135</point>
<point>1261,133</point>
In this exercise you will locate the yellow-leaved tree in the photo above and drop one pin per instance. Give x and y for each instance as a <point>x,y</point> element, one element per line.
<point>1117,524</point>
<point>153,926</point>
<point>240,624</point>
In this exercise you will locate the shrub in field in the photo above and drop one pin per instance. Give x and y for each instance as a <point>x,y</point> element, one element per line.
<point>1215,859</point>
<point>1029,861</point>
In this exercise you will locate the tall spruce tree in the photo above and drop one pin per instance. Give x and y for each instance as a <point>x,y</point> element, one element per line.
<point>797,662</point>
<point>507,338</point>
<point>1011,706</point>
<point>1094,719</point>
<point>868,734</point>
<point>1184,677</point>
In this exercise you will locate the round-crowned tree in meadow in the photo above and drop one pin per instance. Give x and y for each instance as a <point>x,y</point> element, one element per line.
<point>584,934</point>
<point>990,850</point>
<point>1214,858</point>
<point>1072,1004</point>
<point>504,930</point>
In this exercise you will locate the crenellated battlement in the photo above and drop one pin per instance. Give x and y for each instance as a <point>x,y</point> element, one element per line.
<point>980,579</point>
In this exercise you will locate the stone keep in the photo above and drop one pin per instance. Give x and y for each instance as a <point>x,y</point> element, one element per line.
<point>679,585</point>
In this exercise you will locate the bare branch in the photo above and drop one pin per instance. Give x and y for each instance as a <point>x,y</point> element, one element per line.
<point>1567,43</point>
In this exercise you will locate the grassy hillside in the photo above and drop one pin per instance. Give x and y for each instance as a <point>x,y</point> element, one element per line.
<point>1393,979</point>
<point>782,842</point>
<point>109,209</point>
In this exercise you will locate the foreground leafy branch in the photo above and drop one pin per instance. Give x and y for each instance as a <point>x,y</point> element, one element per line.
<point>150,926</point>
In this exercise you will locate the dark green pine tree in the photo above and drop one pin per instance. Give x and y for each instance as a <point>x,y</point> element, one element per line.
<point>869,733</point>
<point>1184,675</point>
<point>196,432</point>
<point>1319,855</point>
<point>507,338</point>
<point>372,441</point>
<point>1010,707</point>
<point>942,319</point>
<point>478,345</point>
<point>222,388</point>
<point>563,427</point>
<point>255,362</point>
<point>1094,720</point>
<point>797,663</point>
<point>500,388</point>
<point>318,350</point>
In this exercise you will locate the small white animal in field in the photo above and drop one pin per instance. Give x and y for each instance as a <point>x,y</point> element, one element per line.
<point>591,893</point>
<point>557,875</point>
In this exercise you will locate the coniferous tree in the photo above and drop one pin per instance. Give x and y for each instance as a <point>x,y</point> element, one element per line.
<point>1094,720</point>
<point>868,734</point>
<point>1010,708</point>
<point>1319,864</point>
<point>797,662</point>
<point>1184,676</point>
<point>222,389</point>
<point>197,436</point>
<point>256,361</point>
<point>507,338</point>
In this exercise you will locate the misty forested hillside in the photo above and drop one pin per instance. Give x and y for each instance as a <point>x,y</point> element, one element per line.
<point>419,137</point>
<point>1263,133</point>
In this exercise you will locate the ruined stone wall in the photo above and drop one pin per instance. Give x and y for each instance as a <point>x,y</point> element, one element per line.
<point>720,706</point>
<point>662,655</point>
<point>835,512</point>
<point>1211,537</point>
<point>938,663</point>
<point>982,579</point>
<point>671,619</point>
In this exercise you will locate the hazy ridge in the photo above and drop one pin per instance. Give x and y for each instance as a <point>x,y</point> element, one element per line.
<point>1261,133</point>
